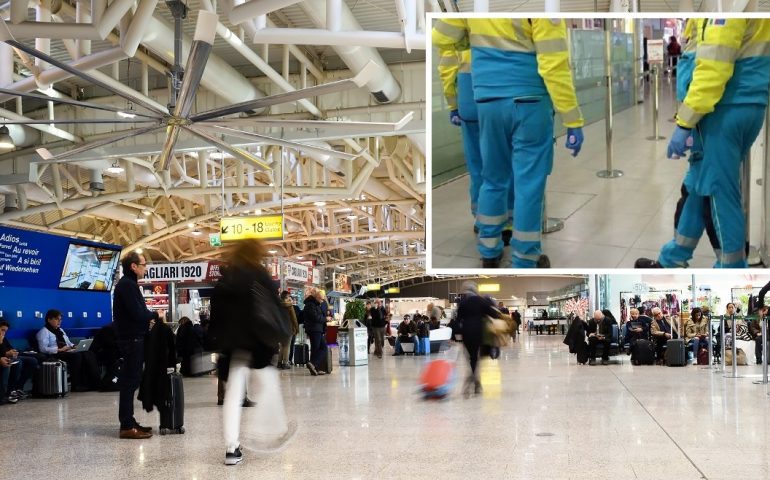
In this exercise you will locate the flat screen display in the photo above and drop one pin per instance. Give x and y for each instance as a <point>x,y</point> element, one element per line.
<point>89,268</point>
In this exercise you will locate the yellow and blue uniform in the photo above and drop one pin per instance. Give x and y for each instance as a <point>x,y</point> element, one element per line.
<point>726,104</point>
<point>520,70</point>
<point>455,72</point>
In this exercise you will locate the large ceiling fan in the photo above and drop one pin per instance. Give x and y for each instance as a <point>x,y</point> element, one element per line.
<point>203,125</point>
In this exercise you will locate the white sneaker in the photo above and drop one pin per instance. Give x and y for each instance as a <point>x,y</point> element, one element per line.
<point>235,457</point>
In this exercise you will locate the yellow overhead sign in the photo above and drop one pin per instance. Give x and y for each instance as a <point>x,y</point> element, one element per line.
<point>267,227</point>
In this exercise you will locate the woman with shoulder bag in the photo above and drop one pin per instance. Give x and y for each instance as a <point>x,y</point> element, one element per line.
<point>250,322</point>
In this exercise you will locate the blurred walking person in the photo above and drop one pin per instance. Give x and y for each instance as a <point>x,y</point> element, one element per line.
<point>471,313</point>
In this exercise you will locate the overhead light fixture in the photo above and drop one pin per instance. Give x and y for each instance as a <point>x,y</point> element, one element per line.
<point>489,287</point>
<point>115,168</point>
<point>196,232</point>
<point>362,250</point>
<point>258,211</point>
<point>342,267</point>
<point>191,225</point>
<point>129,112</point>
<point>352,217</point>
<point>140,219</point>
<point>300,257</point>
<point>5,138</point>
<point>319,204</point>
<point>139,250</point>
<point>372,287</point>
<point>146,212</point>
<point>272,252</point>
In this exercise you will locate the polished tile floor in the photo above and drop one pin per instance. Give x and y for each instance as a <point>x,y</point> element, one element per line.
<point>541,416</point>
<point>607,222</point>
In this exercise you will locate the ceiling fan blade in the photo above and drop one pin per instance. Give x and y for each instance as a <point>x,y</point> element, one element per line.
<point>77,122</point>
<point>67,68</point>
<point>167,152</point>
<point>359,80</point>
<point>48,157</point>
<point>314,124</point>
<point>277,141</point>
<point>75,103</point>
<point>205,30</point>
<point>236,152</point>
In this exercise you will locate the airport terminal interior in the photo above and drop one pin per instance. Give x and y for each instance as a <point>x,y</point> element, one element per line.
<point>146,140</point>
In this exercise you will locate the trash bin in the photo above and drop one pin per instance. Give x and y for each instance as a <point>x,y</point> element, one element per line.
<point>343,342</point>
<point>355,337</point>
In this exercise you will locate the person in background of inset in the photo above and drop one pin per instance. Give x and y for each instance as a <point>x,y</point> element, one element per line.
<point>455,72</point>
<point>696,332</point>
<point>472,312</point>
<point>379,325</point>
<point>315,326</point>
<point>520,71</point>
<point>674,50</point>
<point>232,315</point>
<point>661,333</point>
<point>599,330</point>
<point>725,108</point>
<point>132,323</point>
<point>21,367</point>
<point>286,346</point>
<point>82,366</point>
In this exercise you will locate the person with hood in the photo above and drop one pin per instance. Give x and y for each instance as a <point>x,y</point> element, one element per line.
<point>471,315</point>
<point>315,326</point>
<point>286,346</point>
<point>242,298</point>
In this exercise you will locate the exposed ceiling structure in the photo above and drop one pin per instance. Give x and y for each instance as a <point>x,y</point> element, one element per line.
<point>522,6</point>
<point>315,109</point>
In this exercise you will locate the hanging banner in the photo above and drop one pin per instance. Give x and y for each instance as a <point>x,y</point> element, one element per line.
<point>266,227</point>
<point>176,272</point>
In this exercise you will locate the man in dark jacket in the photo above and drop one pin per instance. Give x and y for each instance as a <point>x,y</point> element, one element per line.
<point>599,331</point>
<point>315,326</point>
<point>471,314</point>
<point>132,322</point>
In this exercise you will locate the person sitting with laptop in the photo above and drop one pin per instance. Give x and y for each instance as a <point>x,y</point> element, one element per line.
<point>81,363</point>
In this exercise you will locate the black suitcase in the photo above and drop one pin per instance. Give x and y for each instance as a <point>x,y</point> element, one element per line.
<point>301,354</point>
<point>172,413</point>
<point>51,379</point>
<point>643,352</point>
<point>582,352</point>
<point>328,367</point>
<point>675,356</point>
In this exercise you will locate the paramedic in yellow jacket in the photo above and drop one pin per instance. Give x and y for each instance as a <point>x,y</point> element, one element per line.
<point>520,70</point>
<point>724,108</point>
<point>455,71</point>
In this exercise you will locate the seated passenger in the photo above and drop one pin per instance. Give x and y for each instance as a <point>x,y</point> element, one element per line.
<point>756,333</point>
<point>20,367</point>
<point>599,330</point>
<point>434,323</point>
<point>407,333</point>
<point>82,366</point>
<point>696,332</point>
<point>423,335</point>
<point>661,333</point>
<point>636,329</point>
<point>5,380</point>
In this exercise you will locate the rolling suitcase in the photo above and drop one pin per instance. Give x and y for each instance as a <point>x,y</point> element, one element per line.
<point>675,354</point>
<point>643,352</point>
<point>437,379</point>
<point>582,352</point>
<point>172,413</point>
<point>301,354</point>
<point>51,379</point>
<point>328,366</point>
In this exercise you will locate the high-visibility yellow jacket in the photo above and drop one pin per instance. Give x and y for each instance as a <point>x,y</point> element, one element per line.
<point>451,64</point>
<point>732,66</point>
<point>686,63</point>
<point>516,58</point>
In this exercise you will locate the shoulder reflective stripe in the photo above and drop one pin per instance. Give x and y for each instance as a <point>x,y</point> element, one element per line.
<point>688,116</point>
<point>490,242</point>
<point>572,116</point>
<point>719,53</point>
<point>732,257</point>
<point>521,34</point>
<point>554,45</point>
<point>522,256</point>
<point>527,236</point>
<point>448,61</point>
<point>755,49</point>
<point>449,30</point>
<point>685,241</point>
<point>491,219</point>
<point>490,41</point>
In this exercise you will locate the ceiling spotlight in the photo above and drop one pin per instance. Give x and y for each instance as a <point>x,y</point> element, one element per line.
<point>129,112</point>
<point>319,204</point>
<point>191,225</point>
<point>139,251</point>
<point>114,168</point>
<point>140,219</point>
<point>258,211</point>
<point>5,138</point>
<point>272,252</point>
<point>362,250</point>
<point>351,217</point>
<point>342,267</point>
<point>196,232</point>
<point>300,257</point>
<point>146,212</point>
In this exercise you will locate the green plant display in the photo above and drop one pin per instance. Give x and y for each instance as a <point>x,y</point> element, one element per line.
<point>355,309</point>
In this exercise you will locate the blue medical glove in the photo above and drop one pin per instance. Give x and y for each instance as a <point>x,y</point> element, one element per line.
<point>681,141</point>
<point>574,140</point>
<point>454,117</point>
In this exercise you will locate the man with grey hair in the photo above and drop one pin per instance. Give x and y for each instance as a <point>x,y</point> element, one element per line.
<point>599,331</point>
<point>471,313</point>
<point>661,333</point>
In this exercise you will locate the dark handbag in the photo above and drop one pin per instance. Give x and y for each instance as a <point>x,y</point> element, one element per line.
<point>271,321</point>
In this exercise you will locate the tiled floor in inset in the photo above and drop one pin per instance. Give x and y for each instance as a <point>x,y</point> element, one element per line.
<point>541,416</point>
<point>608,223</point>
